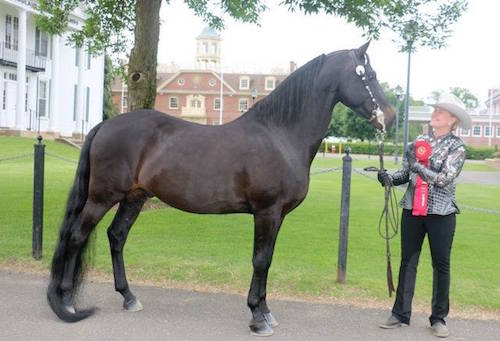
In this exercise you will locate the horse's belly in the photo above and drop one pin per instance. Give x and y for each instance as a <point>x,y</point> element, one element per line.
<point>202,204</point>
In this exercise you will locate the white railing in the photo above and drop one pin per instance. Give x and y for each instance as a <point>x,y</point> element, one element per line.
<point>33,59</point>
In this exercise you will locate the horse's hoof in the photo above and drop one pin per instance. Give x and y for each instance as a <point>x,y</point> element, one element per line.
<point>271,320</point>
<point>260,328</point>
<point>132,305</point>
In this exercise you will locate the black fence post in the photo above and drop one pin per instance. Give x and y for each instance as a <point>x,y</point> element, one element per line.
<point>344,215</point>
<point>38,199</point>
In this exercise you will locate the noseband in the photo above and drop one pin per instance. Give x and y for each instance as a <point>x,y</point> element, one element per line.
<point>377,114</point>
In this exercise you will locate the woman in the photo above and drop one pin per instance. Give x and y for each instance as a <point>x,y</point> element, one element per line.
<point>444,165</point>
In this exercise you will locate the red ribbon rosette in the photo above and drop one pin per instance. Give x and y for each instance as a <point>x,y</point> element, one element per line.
<point>423,151</point>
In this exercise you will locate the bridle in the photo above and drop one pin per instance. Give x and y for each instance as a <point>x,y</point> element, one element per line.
<point>376,113</point>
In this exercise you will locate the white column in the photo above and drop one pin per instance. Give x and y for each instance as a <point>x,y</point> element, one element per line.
<point>54,86</point>
<point>21,71</point>
<point>79,93</point>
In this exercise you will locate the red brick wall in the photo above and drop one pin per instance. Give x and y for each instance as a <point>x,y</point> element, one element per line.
<point>197,83</point>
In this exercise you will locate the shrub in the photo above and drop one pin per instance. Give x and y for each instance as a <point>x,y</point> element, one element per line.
<point>473,153</point>
<point>479,153</point>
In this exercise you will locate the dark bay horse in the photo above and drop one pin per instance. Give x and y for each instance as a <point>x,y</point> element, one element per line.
<point>257,164</point>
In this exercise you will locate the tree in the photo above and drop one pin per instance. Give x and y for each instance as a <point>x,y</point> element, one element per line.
<point>422,23</point>
<point>346,123</point>
<point>109,24</point>
<point>470,101</point>
<point>108,109</point>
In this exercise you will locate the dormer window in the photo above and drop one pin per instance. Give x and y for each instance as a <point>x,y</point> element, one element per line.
<point>270,83</point>
<point>244,83</point>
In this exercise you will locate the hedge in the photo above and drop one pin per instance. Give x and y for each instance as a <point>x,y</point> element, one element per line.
<point>473,153</point>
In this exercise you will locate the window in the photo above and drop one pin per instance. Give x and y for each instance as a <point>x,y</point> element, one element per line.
<point>217,103</point>
<point>15,38</point>
<point>75,94</point>
<point>87,103</point>
<point>124,101</point>
<point>243,104</point>
<point>464,132</point>
<point>211,82</point>
<point>195,103</point>
<point>8,31</point>
<point>42,99</point>
<point>498,131</point>
<point>11,32</point>
<point>244,83</point>
<point>487,131</point>
<point>26,98</point>
<point>41,43</point>
<point>214,48</point>
<point>77,56</point>
<point>181,81</point>
<point>205,48</point>
<point>270,83</point>
<point>173,103</point>
<point>476,131</point>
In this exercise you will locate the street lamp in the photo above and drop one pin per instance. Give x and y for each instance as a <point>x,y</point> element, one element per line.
<point>398,91</point>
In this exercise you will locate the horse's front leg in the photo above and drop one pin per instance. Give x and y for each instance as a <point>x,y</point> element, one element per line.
<point>267,224</point>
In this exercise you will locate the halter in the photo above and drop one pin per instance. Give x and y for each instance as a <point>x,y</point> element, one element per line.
<point>377,114</point>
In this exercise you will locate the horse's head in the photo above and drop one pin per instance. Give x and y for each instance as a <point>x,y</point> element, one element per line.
<point>359,89</point>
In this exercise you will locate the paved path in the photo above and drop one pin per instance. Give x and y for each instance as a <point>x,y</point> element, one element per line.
<point>482,178</point>
<point>186,315</point>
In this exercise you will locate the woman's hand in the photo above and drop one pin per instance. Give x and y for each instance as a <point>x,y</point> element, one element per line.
<point>384,178</point>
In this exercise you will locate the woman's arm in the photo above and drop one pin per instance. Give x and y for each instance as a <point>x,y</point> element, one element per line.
<point>401,176</point>
<point>451,168</point>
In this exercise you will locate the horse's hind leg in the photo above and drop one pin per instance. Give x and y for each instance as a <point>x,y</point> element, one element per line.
<point>267,225</point>
<point>117,234</point>
<point>77,238</point>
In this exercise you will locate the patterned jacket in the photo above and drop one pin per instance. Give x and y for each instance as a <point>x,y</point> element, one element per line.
<point>446,161</point>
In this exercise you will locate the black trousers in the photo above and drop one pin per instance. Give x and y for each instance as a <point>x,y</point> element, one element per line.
<point>440,231</point>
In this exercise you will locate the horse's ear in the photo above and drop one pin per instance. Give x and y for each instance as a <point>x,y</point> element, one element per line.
<point>360,52</point>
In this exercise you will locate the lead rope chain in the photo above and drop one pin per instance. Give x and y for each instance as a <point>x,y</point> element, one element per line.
<point>389,216</point>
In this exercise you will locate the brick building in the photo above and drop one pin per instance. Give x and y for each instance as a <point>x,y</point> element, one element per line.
<point>485,130</point>
<point>195,95</point>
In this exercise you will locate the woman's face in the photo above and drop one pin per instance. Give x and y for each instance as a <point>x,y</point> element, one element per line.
<point>441,119</point>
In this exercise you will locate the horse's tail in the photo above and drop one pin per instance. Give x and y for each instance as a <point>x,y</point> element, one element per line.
<point>75,204</point>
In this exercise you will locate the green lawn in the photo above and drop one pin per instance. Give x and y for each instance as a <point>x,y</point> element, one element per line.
<point>166,244</point>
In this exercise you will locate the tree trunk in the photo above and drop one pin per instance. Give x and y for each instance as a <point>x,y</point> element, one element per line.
<point>142,64</point>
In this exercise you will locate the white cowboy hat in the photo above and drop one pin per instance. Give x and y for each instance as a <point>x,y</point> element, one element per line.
<point>456,107</point>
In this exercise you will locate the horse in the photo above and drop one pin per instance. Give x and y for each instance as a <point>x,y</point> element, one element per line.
<point>257,164</point>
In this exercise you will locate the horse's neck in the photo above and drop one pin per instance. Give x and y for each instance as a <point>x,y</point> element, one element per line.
<point>307,133</point>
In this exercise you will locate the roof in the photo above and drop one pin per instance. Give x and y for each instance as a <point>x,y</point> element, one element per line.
<point>257,81</point>
<point>208,32</point>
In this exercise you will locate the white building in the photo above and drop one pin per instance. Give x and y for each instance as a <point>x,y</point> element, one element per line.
<point>45,83</point>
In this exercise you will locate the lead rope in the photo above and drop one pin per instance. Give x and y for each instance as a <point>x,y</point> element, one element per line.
<point>388,223</point>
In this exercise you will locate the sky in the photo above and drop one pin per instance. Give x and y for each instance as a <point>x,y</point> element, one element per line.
<point>470,60</point>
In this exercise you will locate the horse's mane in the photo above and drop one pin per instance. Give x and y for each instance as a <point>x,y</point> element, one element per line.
<point>288,100</point>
